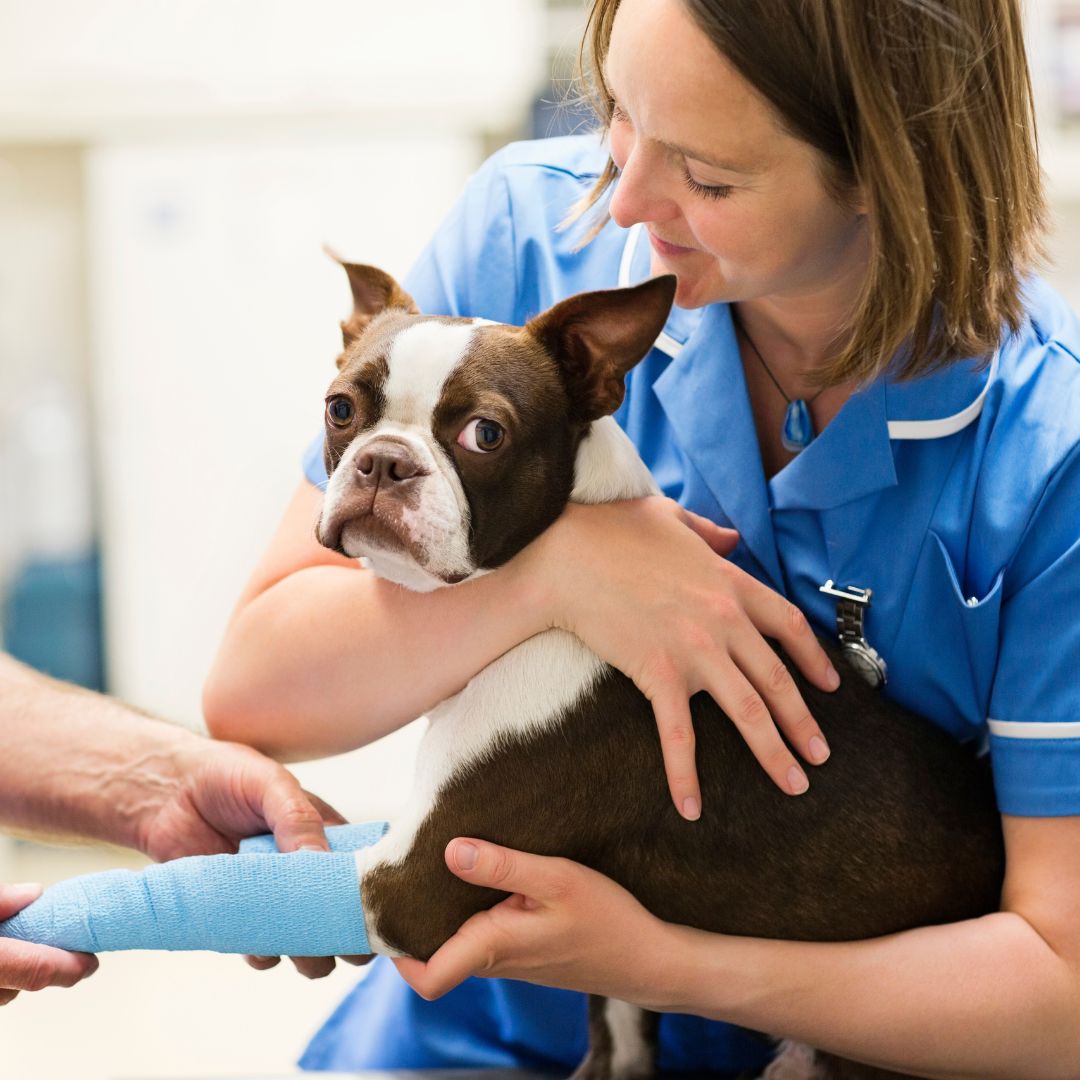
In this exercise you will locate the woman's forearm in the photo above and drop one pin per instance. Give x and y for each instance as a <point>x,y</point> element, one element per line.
<point>331,658</point>
<point>73,763</point>
<point>980,999</point>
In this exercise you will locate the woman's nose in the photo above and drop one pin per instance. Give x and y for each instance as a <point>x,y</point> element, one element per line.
<point>639,193</point>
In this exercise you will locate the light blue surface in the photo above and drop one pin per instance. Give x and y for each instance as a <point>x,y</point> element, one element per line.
<point>969,540</point>
<point>306,903</point>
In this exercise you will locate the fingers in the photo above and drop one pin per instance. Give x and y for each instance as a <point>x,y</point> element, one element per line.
<point>13,898</point>
<point>774,683</point>
<point>468,952</point>
<point>782,620</point>
<point>313,967</point>
<point>25,966</point>
<point>722,541</point>
<point>677,744</point>
<point>262,963</point>
<point>539,878</point>
<point>297,823</point>
<point>330,816</point>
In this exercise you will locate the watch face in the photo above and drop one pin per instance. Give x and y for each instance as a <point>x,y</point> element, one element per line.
<point>866,662</point>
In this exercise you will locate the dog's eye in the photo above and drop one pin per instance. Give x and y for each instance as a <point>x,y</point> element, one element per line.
<point>339,411</point>
<point>481,436</point>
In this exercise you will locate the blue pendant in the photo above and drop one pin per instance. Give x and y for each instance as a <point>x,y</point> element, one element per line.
<point>798,430</point>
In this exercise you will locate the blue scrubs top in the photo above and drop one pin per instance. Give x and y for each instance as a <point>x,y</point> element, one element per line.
<point>955,497</point>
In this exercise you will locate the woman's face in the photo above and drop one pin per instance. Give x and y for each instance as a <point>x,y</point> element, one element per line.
<point>733,205</point>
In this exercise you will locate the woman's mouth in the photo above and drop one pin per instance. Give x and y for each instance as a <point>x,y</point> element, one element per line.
<point>669,250</point>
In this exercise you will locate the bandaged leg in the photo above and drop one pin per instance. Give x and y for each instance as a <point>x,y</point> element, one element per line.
<point>306,903</point>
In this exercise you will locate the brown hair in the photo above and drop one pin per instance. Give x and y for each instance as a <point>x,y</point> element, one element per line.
<point>927,107</point>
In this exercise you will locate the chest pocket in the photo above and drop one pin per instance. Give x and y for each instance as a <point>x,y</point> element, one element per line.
<point>945,652</point>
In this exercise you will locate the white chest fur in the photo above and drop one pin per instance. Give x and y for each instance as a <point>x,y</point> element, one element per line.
<point>527,690</point>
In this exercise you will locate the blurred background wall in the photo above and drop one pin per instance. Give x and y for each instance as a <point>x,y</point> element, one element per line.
<point>168,172</point>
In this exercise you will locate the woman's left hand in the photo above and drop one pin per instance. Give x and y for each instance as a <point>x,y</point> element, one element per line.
<point>565,925</point>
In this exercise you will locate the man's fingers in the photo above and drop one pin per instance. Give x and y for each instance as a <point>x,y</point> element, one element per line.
<point>313,967</point>
<point>13,898</point>
<point>677,744</point>
<point>330,816</point>
<point>25,966</point>
<point>722,541</point>
<point>262,963</point>
<point>293,817</point>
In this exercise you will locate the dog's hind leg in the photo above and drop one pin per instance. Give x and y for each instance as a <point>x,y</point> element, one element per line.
<point>622,1042</point>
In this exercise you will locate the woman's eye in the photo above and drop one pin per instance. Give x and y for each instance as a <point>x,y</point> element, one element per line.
<point>710,191</point>
<point>481,436</point>
<point>339,411</point>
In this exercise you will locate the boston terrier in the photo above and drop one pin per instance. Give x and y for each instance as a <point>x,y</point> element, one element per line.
<point>451,444</point>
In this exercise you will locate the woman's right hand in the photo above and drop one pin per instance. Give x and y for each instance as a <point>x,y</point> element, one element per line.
<point>24,966</point>
<point>643,583</point>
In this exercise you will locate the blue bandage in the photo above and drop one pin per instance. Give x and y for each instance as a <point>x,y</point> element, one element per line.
<point>306,903</point>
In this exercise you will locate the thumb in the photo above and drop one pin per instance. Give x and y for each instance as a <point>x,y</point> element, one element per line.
<point>480,863</point>
<point>13,898</point>
<point>722,541</point>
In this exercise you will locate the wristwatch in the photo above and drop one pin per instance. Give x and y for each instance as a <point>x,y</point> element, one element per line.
<point>851,605</point>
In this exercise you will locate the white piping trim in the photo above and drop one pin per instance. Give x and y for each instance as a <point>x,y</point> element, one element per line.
<point>947,425</point>
<point>1018,729</point>
<point>665,342</point>
<point>628,252</point>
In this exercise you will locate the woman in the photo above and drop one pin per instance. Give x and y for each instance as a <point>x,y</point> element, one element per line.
<point>850,198</point>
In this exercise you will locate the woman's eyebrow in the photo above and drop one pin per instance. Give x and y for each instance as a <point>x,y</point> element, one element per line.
<point>748,168</point>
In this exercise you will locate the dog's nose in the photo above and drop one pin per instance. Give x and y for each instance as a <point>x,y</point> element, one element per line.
<point>388,463</point>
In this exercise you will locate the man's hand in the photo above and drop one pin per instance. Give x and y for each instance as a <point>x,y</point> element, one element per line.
<point>226,792</point>
<point>219,793</point>
<point>33,967</point>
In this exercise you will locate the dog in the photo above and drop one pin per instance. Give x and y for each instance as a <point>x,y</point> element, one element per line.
<point>451,444</point>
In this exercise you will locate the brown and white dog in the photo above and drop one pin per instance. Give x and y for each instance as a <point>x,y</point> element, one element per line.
<point>450,445</point>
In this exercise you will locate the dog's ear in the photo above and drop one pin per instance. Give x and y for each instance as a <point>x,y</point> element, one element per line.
<point>373,291</point>
<point>597,337</point>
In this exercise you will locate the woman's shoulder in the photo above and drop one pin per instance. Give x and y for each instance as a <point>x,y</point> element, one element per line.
<point>505,251</point>
<point>1038,371</point>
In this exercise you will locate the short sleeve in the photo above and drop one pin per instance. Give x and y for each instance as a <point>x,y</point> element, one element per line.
<point>1035,703</point>
<point>467,268</point>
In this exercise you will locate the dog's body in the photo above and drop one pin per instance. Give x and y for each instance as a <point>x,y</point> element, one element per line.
<point>550,750</point>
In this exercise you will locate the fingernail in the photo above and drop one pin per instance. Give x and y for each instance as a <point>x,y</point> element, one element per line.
<point>312,847</point>
<point>832,678</point>
<point>818,750</point>
<point>691,809</point>
<point>465,856</point>
<point>797,782</point>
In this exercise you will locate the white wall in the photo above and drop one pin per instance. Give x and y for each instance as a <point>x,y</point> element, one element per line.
<point>215,328</point>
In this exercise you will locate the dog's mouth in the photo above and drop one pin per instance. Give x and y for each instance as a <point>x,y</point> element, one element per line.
<point>379,529</point>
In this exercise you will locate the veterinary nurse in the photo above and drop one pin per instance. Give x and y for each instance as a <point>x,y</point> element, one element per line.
<point>863,378</point>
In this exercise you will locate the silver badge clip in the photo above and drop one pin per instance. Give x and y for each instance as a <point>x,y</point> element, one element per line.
<point>851,605</point>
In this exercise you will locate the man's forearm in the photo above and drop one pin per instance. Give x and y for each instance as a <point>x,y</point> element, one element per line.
<point>74,763</point>
<point>980,999</point>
